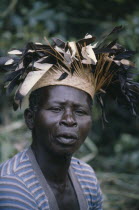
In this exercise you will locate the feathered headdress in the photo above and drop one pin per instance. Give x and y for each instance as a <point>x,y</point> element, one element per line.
<point>97,68</point>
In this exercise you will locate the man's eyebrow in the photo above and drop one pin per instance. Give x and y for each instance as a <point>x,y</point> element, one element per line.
<point>56,102</point>
<point>81,105</point>
<point>74,104</point>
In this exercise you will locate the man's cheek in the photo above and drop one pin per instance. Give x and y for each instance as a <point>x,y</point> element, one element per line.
<point>86,125</point>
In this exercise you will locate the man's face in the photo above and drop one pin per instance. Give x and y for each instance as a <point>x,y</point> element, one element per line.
<point>63,120</point>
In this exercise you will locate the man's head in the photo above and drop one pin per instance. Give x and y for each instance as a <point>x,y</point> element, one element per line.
<point>60,118</point>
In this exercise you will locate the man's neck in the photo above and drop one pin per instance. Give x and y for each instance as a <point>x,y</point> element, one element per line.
<point>54,167</point>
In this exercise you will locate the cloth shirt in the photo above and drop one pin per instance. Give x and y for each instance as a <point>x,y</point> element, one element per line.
<point>23,186</point>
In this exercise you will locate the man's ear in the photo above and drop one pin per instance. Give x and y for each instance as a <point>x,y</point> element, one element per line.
<point>29,118</point>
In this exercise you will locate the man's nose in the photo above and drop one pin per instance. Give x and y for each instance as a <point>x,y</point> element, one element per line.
<point>68,119</point>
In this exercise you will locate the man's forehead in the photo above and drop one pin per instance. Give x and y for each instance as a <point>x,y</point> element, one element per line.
<point>62,94</point>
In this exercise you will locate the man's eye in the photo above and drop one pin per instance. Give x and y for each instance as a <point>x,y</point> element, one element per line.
<point>56,109</point>
<point>80,112</point>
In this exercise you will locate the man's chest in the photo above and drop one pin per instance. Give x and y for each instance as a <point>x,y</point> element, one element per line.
<point>65,196</point>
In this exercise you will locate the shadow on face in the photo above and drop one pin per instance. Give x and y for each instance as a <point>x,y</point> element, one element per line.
<point>62,118</point>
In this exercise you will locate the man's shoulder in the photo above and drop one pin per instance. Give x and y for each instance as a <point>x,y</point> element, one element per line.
<point>89,183</point>
<point>14,191</point>
<point>14,164</point>
<point>82,167</point>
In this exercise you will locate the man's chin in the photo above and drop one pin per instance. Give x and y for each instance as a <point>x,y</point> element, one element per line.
<point>63,152</point>
<point>59,149</point>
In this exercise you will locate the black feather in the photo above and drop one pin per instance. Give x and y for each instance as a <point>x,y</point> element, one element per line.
<point>117,29</point>
<point>104,50</point>
<point>59,42</point>
<point>105,39</point>
<point>12,75</point>
<point>13,84</point>
<point>124,55</point>
<point>63,76</point>
<point>15,105</point>
<point>49,59</point>
<point>3,60</point>
<point>100,101</point>
<point>111,44</point>
<point>17,100</point>
<point>9,67</point>
<point>85,42</point>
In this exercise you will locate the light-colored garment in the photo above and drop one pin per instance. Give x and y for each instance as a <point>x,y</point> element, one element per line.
<point>22,185</point>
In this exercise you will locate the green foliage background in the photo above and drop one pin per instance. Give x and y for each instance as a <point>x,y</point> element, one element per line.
<point>117,158</point>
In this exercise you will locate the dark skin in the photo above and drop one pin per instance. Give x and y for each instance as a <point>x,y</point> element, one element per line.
<point>59,128</point>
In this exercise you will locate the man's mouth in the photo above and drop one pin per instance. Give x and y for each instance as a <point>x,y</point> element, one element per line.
<point>67,138</point>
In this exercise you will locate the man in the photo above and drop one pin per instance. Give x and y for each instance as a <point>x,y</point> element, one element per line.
<point>46,176</point>
<point>61,81</point>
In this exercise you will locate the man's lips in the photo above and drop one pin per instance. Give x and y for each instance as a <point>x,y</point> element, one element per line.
<point>67,138</point>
